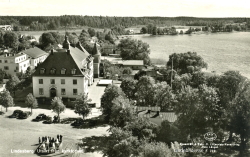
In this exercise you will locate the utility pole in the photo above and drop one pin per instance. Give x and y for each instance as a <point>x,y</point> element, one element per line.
<point>171,71</point>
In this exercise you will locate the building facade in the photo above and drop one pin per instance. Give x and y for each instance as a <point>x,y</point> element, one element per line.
<point>14,63</point>
<point>36,56</point>
<point>66,73</point>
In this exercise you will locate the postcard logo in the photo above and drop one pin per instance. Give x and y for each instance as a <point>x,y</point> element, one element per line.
<point>210,136</point>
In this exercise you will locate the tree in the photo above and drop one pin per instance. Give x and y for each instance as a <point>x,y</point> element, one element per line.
<point>128,86</point>
<point>158,149</point>
<point>132,49</point>
<point>184,62</point>
<point>240,114</point>
<point>145,91</point>
<point>121,112</point>
<point>57,106</point>
<point>127,71</point>
<point>91,32</point>
<point>164,96</point>
<point>110,93</point>
<point>31,101</point>
<point>6,100</point>
<point>142,128</point>
<point>81,106</point>
<point>199,111</point>
<point>144,30</point>
<point>11,39</point>
<point>12,84</point>
<point>121,143</point>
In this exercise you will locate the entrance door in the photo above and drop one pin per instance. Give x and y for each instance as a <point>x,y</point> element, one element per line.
<point>52,92</point>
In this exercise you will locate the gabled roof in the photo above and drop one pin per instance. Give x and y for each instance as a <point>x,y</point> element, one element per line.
<point>34,52</point>
<point>63,59</point>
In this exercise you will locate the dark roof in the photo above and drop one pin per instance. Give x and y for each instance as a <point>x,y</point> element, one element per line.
<point>63,59</point>
<point>34,52</point>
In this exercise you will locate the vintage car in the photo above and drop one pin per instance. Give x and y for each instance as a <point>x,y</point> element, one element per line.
<point>40,117</point>
<point>16,113</point>
<point>78,122</point>
<point>48,120</point>
<point>24,115</point>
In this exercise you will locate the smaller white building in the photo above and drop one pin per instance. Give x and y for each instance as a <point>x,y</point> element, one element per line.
<point>14,63</point>
<point>36,56</point>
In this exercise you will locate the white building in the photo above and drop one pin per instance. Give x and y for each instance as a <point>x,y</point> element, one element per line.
<point>65,73</point>
<point>36,56</point>
<point>14,63</point>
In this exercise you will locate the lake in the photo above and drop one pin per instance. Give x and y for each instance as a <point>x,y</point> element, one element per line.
<point>222,51</point>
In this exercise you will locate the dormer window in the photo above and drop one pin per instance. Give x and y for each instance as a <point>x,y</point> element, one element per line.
<point>42,71</point>
<point>73,71</point>
<point>63,71</point>
<point>52,71</point>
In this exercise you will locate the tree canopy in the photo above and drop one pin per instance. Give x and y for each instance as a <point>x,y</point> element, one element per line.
<point>132,49</point>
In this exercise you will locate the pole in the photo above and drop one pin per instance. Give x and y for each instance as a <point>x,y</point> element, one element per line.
<point>171,71</point>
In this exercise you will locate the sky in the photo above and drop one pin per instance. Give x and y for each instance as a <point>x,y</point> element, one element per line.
<point>136,8</point>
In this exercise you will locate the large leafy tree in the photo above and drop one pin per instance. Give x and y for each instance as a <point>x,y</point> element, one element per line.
<point>12,84</point>
<point>81,106</point>
<point>122,112</point>
<point>6,100</point>
<point>199,110</point>
<point>241,114</point>
<point>11,39</point>
<point>110,93</point>
<point>132,49</point>
<point>57,106</point>
<point>145,91</point>
<point>128,86</point>
<point>164,97</point>
<point>186,62</point>
<point>31,101</point>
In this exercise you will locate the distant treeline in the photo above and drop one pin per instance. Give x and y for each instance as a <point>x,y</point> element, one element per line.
<point>57,22</point>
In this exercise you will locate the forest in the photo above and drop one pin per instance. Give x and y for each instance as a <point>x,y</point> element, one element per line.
<point>39,23</point>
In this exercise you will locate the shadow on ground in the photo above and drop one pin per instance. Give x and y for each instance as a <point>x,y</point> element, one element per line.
<point>94,144</point>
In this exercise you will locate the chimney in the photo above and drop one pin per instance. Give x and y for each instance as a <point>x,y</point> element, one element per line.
<point>68,51</point>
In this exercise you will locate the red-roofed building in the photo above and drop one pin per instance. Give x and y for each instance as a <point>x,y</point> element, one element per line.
<point>65,73</point>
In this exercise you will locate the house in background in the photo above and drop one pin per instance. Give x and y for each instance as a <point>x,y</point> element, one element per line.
<point>14,63</point>
<point>65,73</point>
<point>36,56</point>
<point>133,64</point>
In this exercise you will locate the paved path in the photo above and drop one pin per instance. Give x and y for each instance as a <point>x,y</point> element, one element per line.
<point>96,92</point>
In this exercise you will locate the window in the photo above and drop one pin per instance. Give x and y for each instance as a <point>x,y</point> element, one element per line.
<point>52,81</point>
<point>24,65</point>
<point>42,71</point>
<point>6,68</point>
<point>5,61</point>
<point>0,61</point>
<point>63,91</point>
<point>52,71</point>
<point>63,71</point>
<point>40,81</point>
<point>73,71</point>
<point>41,91</point>
<point>62,81</point>
<point>74,91</point>
<point>74,81</point>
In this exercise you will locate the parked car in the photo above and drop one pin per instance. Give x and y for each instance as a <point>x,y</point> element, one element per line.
<point>40,117</point>
<point>56,119</point>
<point>16,113</point>
<point>48,120</point>
<point>24,115</point>
<point>78,122</point>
